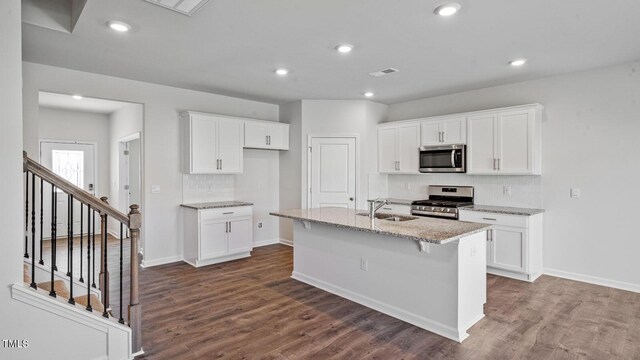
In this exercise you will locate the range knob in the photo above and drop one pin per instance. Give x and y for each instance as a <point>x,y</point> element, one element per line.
<point>433,209</point>
<point>447,210</point>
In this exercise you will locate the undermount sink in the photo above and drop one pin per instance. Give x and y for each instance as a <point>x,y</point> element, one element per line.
<point>390,217</point>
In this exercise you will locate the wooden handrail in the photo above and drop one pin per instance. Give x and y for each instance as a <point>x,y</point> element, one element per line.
<point>78,193</point>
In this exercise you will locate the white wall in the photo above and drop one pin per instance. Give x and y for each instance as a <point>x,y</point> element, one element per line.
<point>161,143</point>
<point>589,139</point>
<point>291,166</point>
<point>326,118</point>
<point>123,122</point>
<point>57,124</point>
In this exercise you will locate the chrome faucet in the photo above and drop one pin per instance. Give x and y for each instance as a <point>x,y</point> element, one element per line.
<point>373,207</point>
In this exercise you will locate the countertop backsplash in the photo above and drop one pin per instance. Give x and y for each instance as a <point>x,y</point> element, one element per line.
<point>526,191</point>
<point>207,188</point>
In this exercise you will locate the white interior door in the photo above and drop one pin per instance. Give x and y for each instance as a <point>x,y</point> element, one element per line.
<point>75,162</point>
<point>333,172</point>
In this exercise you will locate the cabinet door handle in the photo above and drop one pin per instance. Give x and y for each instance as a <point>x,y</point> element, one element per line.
<point>498,163</point>
<point>269,140</point>
<point>226,227</point>
<point>491,219</point>
<point>229,226</point>
<point>494,165</point>
<point>490,234</point>
<point>228,213</point>
<point>220,164</point>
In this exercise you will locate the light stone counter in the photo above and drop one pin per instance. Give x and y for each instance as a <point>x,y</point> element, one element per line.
<point>432,230</point>
<point>216,205</point>
<point>503,210</point>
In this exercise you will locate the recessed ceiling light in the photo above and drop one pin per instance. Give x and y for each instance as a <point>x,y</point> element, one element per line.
<point>77,97</point>
<point>282,71</point>
<point>344,48</point>
<point>369,94</point>
<point>517,62</point>
<point>447,9</point>
<point>119,26</point>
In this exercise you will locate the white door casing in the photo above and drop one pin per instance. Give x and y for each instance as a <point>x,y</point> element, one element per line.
<point>333,172</point>
<point>74,161</point>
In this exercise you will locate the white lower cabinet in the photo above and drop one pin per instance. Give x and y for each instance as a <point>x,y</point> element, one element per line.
<point>216,235</point>
<point>514,244</point>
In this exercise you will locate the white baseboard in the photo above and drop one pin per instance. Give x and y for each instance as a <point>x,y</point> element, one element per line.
<point>286,242</point>
<point>161,261</point>
<point>265,242</point>
<point>593,280</point>
<point>411,318</point>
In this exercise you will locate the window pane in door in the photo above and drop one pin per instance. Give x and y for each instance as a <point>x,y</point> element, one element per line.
<point>69,165</point>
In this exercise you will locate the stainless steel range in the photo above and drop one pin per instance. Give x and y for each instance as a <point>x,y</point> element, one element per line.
<point>443,201</point>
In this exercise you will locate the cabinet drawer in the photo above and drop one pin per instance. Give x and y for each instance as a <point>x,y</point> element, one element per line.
<point>396,209</point>
<point>493,218</point>
<point>208,214</point>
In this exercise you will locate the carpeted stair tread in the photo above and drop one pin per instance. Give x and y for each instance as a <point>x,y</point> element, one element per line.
<point>25,274</point>
<point>95,302</point>
<point>59,286</point>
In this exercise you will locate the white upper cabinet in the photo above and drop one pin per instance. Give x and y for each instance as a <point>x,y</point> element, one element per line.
<point>398,148</point>
<point>266,135</point>
<point>505,142</point>
<point>212,144</point>
<point>443,131</point>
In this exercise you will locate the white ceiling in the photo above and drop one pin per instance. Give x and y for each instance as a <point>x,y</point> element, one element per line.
<point>66,102</point>
<point>231,47</point>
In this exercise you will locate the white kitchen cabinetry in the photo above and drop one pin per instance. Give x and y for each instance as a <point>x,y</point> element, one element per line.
<point>514,244</point>
<point>216,235</point>
<point>266,135</point>
<point>505,142</point>
<point>398,148</point>
<point>443,131</point>
<point>212,144</point>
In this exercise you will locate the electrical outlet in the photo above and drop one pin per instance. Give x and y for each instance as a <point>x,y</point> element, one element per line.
<point>407,186</point>
<point>260,225</point>
<point>506,190</point>
<point>364,264</point>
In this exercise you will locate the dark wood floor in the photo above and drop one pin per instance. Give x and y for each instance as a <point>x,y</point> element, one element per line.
<point>252,309</point>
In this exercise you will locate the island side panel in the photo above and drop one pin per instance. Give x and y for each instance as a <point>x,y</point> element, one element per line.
<point>472,280</point>
<point>385,273</point>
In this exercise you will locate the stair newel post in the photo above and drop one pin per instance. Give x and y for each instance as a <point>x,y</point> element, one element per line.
<point>81,238</point>
<point>89,267</point>
<point>26,216</point>
<point>104,271</point>
<point>93,249</point>
<point>135,312</point>
<point>41,218</point>
<point>70,242</point>
<point>33,230</point>
<point>52,292</point>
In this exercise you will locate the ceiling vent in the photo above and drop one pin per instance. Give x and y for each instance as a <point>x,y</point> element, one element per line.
<point>185,7</point>
<point>384,72</point>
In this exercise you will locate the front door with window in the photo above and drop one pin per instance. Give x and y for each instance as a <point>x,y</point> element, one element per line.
<point>75,162</point>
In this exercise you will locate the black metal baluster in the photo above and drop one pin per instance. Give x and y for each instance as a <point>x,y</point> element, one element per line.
<point>33,230</point>
<point>52,292</point>
<point>54,224</point>
<point>106,271</point>
<point>69,233</point>
<point>70,242</point>
<point>93,268</point>
<point>88,260</point>
<point>81,236</point>
<point>41,217</point>
<point>121,321</point>
<point>26,216</point>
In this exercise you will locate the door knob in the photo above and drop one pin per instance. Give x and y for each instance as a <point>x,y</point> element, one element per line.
<point>350,199</point>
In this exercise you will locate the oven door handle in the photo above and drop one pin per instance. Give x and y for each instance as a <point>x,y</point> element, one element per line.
<point>453,159</point>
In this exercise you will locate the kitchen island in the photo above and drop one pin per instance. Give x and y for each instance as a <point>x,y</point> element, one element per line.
<point>426,271</point>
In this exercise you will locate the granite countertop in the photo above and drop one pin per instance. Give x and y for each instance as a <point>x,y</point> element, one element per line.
<point>393,201</point>
<point>432,230</point>
<point>216,205</point>
<point>503,210</point>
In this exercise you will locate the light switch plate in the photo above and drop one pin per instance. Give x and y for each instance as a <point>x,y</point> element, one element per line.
<point>506,190</point>
<point>575,193</point>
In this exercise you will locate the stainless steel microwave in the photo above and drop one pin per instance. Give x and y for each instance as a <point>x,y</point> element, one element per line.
<point>443,159</point>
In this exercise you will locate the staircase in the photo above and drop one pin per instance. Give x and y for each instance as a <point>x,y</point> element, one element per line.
<point>60,269</point>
